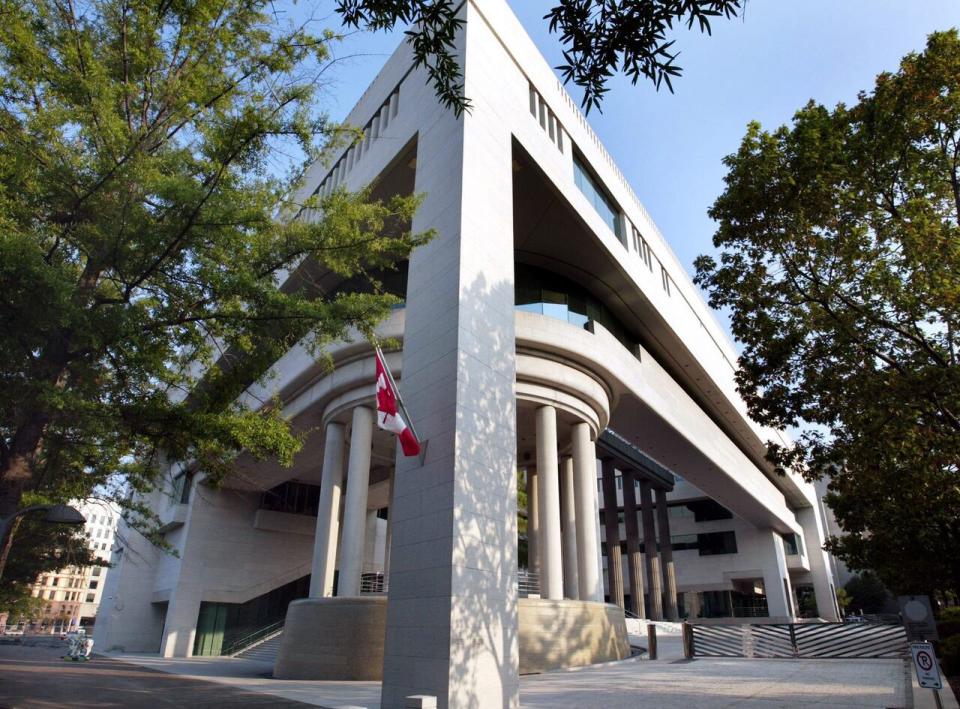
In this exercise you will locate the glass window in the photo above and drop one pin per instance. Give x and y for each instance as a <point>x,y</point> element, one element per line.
<point>181,488</point>
<point>708,511</point>
<point>715,543</point>
<point>684,542</point>
<point>94,584</point>
<point>95,571</point>
<point>91,597</point>
<point>539,291</point>
<point>597,196</point>
<point>792,544</point>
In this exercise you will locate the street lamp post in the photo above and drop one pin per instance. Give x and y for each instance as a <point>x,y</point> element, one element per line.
<point>55,514</point>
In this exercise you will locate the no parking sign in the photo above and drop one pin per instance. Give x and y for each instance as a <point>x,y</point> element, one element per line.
<point>925,662</point>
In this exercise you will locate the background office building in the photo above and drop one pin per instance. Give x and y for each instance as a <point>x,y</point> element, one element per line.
<point>550,340</point>
<point>71,596</point>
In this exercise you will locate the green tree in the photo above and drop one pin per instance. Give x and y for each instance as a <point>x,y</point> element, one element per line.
<point>840,266</point>
<point>149,155</point>
<point>601,37</point>
<point>867,594</point>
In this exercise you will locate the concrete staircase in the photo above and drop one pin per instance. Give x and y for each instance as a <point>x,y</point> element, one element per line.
<point>265,650</point>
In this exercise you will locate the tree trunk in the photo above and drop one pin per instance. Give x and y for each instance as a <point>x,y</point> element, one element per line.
<point>8,543</point>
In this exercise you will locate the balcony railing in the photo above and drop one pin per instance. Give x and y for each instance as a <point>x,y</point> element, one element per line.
<point>528,583</point>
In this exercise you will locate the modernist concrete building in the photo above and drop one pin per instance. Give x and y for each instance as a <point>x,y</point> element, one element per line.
<point>547,329</point>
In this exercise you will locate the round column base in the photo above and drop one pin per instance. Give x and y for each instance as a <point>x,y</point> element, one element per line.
<point>342,638</point>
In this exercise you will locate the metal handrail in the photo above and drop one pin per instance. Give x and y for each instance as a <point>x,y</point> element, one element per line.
<point>238,646</point>
<point>528,583</point>
<point>374,583</point>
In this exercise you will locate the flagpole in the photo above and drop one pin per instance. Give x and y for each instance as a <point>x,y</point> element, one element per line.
<point>407,418</point>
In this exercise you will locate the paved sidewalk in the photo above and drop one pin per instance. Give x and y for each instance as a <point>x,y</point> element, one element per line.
<point>669,682</point>
<point>35,677</point>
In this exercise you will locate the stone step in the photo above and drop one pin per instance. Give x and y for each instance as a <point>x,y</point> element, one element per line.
<point>265,651</point>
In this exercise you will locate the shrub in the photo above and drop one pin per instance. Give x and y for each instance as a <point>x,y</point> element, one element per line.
<point>949,651</point>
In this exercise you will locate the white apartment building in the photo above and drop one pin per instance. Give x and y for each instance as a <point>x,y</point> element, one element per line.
<point>547,328</point>
<point>72,595</point>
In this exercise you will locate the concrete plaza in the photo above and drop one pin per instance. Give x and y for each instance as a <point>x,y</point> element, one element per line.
<point>669,681</point>
<point>34,676</point>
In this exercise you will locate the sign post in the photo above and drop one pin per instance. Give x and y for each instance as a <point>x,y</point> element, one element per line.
<point>918,619</point>
<point>928,671</point>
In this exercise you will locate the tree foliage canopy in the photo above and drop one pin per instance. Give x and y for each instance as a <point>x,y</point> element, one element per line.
<point>145,236</point>
<point>600,38</point>
<point>840,265</point>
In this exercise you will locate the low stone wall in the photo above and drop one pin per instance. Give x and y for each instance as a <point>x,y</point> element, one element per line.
<point>557,634</point>
<point>333,638</point>
<point>342,638</point>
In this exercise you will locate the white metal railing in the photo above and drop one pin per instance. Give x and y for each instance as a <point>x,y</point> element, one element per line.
<point>528,583</point>
<point>373,583</point>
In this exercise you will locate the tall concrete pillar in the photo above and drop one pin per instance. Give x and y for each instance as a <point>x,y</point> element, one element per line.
<point>634,560</point>
<point>823,582</point>
<point>533,521</point>
<point>666,557</point>
<point>776,578</point>
<point>389,541</point>
<point>352,541</point>
<point>328,524</point>
<point>452,609</point>
<point>611,525</point>
<point>654,584</point>
<point>596,523</point>
<point>548,488</point>
<point>568,524</point>
<point>585,495</point>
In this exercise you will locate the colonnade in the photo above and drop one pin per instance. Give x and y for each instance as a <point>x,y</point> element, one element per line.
<point>655,563</point>
<point>563,544</point>
<point>352,535</point>
<point>563,539</point>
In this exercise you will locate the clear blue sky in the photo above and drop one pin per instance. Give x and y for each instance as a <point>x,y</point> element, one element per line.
<point>762,66</point>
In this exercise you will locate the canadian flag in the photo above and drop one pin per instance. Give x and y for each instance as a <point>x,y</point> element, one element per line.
<point>388,415</point>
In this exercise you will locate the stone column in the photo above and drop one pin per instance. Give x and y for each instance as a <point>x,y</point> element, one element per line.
<point>548,489</point>
<point>452,609</point>
<point>634,560</point>
<point>533,522</point>
<point>568,523</point>
<point>611,525</point>
<point>585,482</point>
<point>776,578</point>
<point>389,540</point>
<point>655,587</point>
<point>666,557</point>
<point>328,524</point>
<point>819,563</point>
<point>355,505</point>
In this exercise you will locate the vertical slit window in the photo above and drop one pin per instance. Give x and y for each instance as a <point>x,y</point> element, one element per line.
<point>533,101</point>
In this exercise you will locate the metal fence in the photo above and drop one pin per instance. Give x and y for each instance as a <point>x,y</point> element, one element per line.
<point>528,583</point>
<point>373,583</point>
<point>797,640</point>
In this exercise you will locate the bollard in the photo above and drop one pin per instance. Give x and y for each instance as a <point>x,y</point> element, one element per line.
<point>651,641</point>
<point>687,637</point>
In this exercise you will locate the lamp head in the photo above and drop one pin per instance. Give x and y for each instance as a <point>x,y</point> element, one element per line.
<point>64,514</point>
